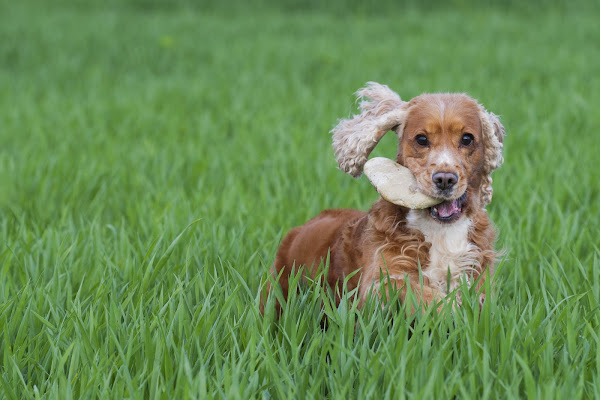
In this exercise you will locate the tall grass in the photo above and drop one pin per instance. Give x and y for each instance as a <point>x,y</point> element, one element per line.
<point>151,159</point>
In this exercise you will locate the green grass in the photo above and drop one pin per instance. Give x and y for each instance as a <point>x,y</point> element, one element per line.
<point>153,156</point>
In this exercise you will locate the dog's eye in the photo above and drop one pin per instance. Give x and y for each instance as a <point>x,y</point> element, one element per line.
<point>422,140</point>
<point>467,139</point>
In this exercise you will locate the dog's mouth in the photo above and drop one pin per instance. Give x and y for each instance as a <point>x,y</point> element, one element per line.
<point>449,210</point>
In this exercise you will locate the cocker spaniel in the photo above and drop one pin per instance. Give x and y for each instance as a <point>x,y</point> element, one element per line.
<point>451,144</point>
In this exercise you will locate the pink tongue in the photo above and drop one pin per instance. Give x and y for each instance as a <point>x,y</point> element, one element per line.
<point>448,208</point>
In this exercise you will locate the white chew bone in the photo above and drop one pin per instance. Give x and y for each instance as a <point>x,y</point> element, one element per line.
<point>397,184</point>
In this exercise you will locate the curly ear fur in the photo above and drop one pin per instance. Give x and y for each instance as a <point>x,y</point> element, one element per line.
<point>493,133</point>
<point>355,138</point>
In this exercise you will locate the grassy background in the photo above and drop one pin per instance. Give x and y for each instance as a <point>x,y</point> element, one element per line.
<point>122,123</point>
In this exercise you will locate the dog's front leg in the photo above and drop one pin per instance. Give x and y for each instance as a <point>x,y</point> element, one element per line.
<point>485,275</point>
<point>423,296</point>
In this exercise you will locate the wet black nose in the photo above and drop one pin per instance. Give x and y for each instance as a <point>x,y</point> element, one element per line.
<point>444,180</point>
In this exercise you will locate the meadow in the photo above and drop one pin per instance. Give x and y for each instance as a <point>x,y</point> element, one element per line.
<point>153,155</point>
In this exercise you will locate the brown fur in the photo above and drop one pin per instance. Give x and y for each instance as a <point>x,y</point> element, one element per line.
<point>391,239</point>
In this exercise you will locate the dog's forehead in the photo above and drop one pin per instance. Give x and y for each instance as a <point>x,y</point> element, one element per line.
<point>441,112</point>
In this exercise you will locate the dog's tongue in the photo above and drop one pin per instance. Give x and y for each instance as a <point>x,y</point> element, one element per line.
<point>447,208</point>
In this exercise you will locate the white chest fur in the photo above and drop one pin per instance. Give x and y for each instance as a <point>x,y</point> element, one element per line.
<point>451,256</point>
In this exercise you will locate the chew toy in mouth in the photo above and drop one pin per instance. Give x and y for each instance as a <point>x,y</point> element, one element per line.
<point>449,210</point>
<point>397,184</point>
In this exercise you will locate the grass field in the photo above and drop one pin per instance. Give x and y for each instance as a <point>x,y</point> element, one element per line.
<point>152,156</point>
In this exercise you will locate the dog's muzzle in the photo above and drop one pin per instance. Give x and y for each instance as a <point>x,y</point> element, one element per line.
<point>449,210</point>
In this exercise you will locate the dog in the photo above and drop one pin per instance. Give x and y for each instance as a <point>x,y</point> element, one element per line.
<point>451,144</point>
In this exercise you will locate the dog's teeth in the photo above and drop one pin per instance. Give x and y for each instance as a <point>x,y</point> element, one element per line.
<point>435,209</point>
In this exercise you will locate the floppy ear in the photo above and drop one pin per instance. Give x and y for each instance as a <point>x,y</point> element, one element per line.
<point>493,135</point>
<point>355,138</point>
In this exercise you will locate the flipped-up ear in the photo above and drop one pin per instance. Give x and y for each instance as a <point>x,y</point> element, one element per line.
<point>493,135</point>
<point>355,138</point>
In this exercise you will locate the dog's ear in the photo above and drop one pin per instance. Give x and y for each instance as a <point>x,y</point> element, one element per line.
<point>493,136</point>
<point>355,138</point>
<point>498,128</point>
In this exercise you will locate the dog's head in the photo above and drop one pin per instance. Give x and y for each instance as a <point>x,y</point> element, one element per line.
<point>450,143</point>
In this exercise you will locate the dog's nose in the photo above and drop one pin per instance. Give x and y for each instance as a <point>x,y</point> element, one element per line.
<point>444,180</point>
